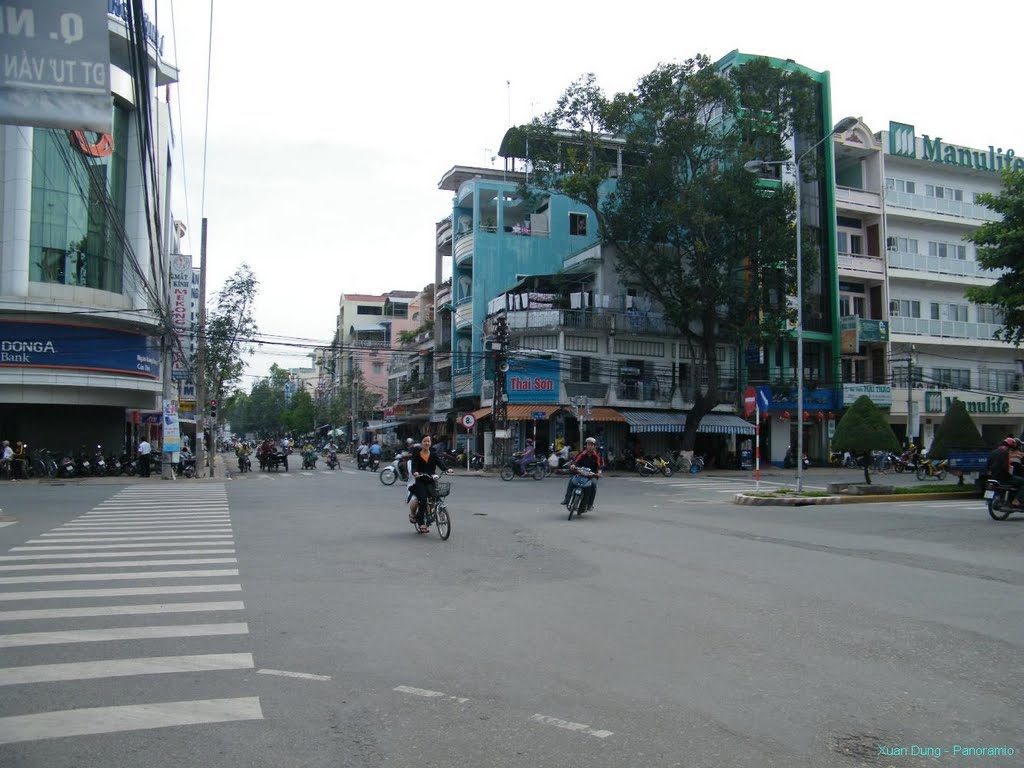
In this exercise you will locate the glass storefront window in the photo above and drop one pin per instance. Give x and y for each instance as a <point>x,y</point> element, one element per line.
<point>78,205</point>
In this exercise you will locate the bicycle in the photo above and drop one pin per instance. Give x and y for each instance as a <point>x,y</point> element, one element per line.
<point>437,509</point>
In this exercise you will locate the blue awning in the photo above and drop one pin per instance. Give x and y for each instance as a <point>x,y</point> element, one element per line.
<point>655,421</point>
<point>675,421</point>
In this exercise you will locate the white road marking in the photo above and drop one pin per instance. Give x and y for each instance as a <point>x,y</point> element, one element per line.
<point>132,717</point>
<point>299,675</point>
<point>570,726</point>
<point>40,548</point>
<point>11,558</point>
<point>116,576</point>
<point>121,610</point>
<point>65,594</point>
<point>94,670</point>
<point>23,639</point>
<point>134,538</point>
<point>4,525</point>
<point>428,694</point>
<point>119,564</point>
<point>65,533</point>
<point>136,522</point>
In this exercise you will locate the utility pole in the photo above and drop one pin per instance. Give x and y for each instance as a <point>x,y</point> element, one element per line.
<point>201,366</point>
<point>500,405</point>
<point>167,354</point>
<point>911,427</point>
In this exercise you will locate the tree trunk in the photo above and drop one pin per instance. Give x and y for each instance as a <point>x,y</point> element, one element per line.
<point>867,463</point>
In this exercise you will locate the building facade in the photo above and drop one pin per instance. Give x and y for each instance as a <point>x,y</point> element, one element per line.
<point>84,266</point>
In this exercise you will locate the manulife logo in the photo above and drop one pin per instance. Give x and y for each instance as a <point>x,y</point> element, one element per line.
<point>902,141</point>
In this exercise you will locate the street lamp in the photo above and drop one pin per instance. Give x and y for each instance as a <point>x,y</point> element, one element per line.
<point>755,166</point>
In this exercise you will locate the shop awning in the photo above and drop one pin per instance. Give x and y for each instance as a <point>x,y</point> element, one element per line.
<point>520,411</point>
<point>655,421</point>
<point>603,413</point>
<point>725,424</point>
<point>674,421</point>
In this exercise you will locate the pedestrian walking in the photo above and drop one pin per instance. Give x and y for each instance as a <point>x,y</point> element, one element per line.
<point>145,449</point>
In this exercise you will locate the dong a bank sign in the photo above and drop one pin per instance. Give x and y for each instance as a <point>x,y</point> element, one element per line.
<point>77,347</point>
<point>532,381</point>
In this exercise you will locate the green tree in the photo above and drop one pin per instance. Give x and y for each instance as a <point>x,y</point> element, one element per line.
<point>1001,247</point>
<point>863,429</point>
<point>298,416</point>
<point>958,432</point>
<point>684,220</point>
<point>230,332</point>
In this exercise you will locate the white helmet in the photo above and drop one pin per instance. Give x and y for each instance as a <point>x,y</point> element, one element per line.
<point>409,441</point>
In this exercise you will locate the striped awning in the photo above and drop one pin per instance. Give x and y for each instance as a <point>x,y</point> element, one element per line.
<point>675,421</point>
<point>520,411</point>
<point>655,421</point>
<point>725,424</point>
<point>603,413</point>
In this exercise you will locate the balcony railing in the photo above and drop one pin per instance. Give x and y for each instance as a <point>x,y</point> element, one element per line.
<point>463,250</point>
<point>603,320</point>
<point>960,209</point>
<point>954,329</point>
<point>861,265</point>
<point>941,265</point>
<point>464,314</point>
<point>858,198</point>
<point>372,344</point>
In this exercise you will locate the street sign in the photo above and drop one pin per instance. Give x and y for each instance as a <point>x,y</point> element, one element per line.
<point>468,420</point>
<point>538,415</point>
<point>749,402</point>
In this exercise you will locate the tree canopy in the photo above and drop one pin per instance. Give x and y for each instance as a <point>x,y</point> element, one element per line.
<point>864,428</point>
<point>957,432</point>
<point>1001,246</point>
<point>230,331</point>
<point>684,219</point>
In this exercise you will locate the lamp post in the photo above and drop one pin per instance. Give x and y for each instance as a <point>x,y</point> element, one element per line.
<point>755,166</point>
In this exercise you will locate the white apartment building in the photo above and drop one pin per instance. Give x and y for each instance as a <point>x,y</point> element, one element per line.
<point>937,338</point>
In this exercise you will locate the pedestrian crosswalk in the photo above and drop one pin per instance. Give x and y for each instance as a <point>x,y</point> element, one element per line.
<point>144,568</point>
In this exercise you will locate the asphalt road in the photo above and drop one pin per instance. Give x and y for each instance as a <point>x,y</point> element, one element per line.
<point>298,620</point>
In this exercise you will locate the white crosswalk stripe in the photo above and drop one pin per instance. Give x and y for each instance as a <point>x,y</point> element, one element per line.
<point>142,542</point>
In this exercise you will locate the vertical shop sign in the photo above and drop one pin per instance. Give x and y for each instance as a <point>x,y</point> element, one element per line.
<point>181,292</point>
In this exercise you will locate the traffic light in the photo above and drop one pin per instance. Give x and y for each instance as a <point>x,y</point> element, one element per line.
<point>213,410</point>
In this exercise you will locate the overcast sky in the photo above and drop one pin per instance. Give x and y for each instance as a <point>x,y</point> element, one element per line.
<point>330,124</point>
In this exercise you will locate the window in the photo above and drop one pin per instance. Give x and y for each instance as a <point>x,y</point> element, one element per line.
<point>943,193</point>
<point>362,309</point>
<point>857,244</point>
<point>989,314</point>
<point>958,312</point>
<point>577,224</point>
<point>957,378</point>
<point>903,244</point>
<point>1002,381</point>
<point>907,308</point>
<point>851,305</point>
<point>899,375</point>
<point>947,250</point>
<point>579,368</point>
<point>935,311</point>
<point>378,367</point>
<point>900,185</point>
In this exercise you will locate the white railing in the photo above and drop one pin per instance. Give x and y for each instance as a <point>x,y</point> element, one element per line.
<point>863,265</point>
<point>463,248</point>
<point>859,197</point>
<point>896,199</point>
<point>955,329</point>
<point>941,265</point>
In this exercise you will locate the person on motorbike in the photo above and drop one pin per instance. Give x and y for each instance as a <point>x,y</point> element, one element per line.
<point>1001,468</point>
<point>242,451</point>
<point>423,466</point>
<point>404,457</point>
<point>526,457</point>
<point>590,459</point>
<point>363,455</point>
<point>375,451</point>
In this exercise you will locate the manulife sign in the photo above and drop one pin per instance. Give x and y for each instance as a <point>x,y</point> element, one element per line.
<point>904,142</point>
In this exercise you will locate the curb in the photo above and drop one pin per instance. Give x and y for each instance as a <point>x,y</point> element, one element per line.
<point>762,501</point>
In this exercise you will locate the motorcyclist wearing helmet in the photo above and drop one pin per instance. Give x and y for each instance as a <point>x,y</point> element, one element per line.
<point>590,459</point>
<point>1001,468</point>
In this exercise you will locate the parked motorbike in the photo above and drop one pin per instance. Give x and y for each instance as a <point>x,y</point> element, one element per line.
<point>99,463</point>
<point>186,465</point>
<point>83,465</point>
<point>663,465</point>
<point>534,469</point>
<point>929,468</point>
<point>999,499</point>
<point>789,462</point>
<point>645,467</point>
<point>129,465</point>
<point>844,459</point>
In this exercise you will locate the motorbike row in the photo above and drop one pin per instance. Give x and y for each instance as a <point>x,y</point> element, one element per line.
<point>46,463</point>
<point>886,461</point>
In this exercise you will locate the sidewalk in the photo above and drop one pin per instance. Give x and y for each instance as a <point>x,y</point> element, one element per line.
<point>218,477</point>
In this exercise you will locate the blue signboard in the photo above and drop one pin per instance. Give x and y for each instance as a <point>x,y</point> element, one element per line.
<point>532,381</point>
<point>785,399</point>
<point>78,347</point>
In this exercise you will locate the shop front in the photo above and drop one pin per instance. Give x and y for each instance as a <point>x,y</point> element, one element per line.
<point>780,421</point>
<point>996,416</point>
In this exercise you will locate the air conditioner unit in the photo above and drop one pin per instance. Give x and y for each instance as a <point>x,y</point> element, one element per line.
<point>894,309</point>
<point>890,243</point>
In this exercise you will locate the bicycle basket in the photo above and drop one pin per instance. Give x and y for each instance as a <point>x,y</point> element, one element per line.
<point>440,490</point>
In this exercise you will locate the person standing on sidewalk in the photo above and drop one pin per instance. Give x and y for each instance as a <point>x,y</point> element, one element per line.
<point>145,449</point>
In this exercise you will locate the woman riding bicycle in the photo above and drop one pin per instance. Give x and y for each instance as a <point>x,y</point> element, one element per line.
<point>425,464</point>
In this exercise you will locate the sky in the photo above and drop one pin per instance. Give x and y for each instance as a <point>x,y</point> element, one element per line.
<point>330,124</point>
